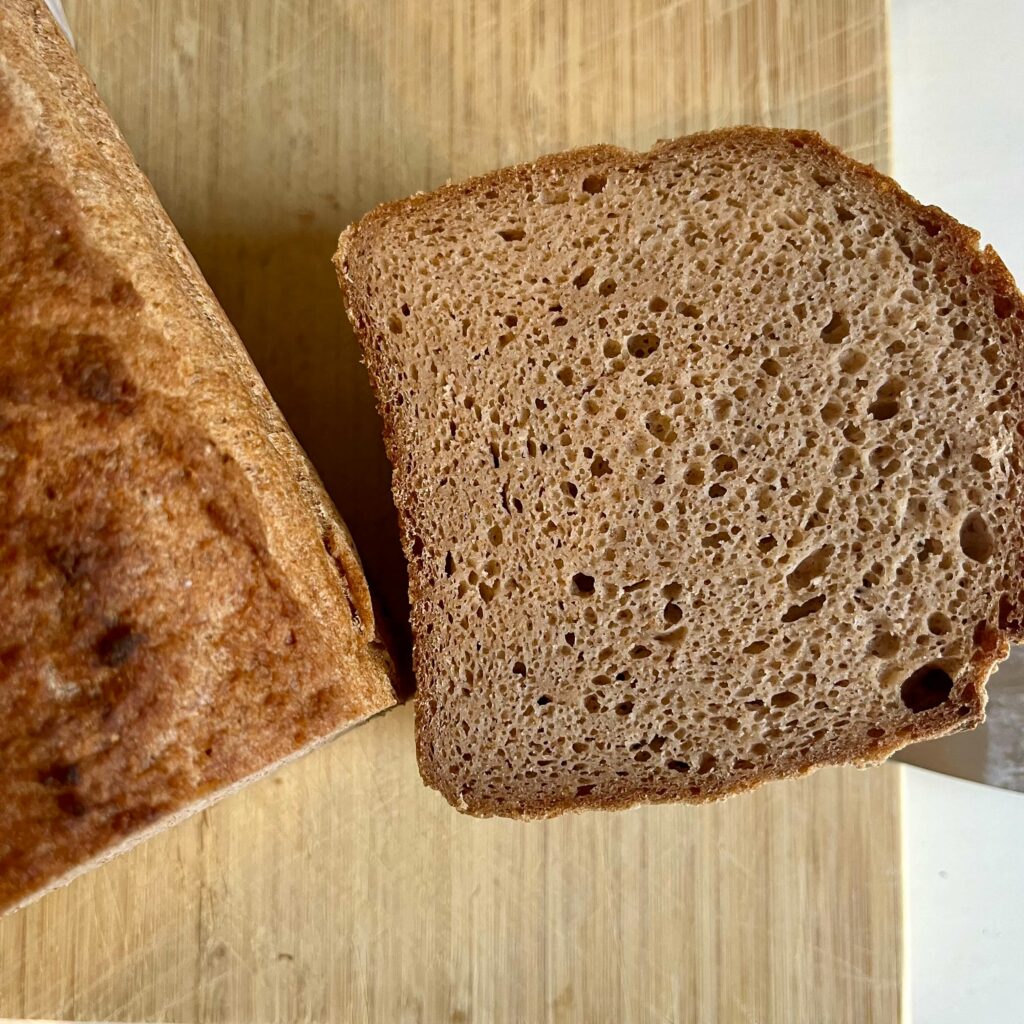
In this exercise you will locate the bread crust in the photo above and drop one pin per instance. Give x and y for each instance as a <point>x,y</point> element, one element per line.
<point>965,706</point>
<point>181,606</point>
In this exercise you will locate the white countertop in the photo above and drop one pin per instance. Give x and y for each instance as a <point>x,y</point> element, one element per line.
<point>958,108</point>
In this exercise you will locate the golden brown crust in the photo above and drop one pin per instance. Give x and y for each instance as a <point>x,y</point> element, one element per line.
<point>180,605</point>
<point>965,705</point>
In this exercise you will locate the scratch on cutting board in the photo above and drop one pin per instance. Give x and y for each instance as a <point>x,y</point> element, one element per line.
<point>743,1009</point>
<point>605,42</point>
<point>848,970</point>
<point>847,30</point>
<point>726,855</point>
<point>241,89</point>
<point>815,95</point>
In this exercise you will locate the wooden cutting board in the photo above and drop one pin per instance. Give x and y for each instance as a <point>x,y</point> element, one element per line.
<point>339,889</point>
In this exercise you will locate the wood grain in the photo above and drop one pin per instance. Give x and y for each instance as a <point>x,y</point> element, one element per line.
<point>340,889</point>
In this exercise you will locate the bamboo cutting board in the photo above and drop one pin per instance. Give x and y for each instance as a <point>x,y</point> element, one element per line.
<point>340,889</point>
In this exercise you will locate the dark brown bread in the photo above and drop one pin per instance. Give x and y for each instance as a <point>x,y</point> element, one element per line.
<point>180,606</point>
<point>707,460</point>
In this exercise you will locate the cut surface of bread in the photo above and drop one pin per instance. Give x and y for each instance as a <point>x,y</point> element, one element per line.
<point>707,464</point>
<point>180,606</point>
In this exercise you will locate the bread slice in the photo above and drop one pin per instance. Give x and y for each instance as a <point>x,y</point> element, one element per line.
<point>707,464</point>
<point>180,606</point>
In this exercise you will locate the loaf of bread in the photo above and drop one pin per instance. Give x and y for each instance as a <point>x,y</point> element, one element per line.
<point>707,461</point>
<point>180,606</point>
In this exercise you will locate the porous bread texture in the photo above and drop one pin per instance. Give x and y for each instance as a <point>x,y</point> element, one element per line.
<point>706,460</point>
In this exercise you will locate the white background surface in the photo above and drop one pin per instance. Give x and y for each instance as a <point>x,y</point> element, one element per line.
<point>963,845</point>
<point>958,142</point>
<point>958,103</point>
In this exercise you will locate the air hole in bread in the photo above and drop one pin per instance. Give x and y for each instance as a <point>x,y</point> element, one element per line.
<point>583,277</point>
<point>831,411</point>
<point>976,540</point>
<point>1004,306</point>
<point>884,644</point>
<point>886,403</point>
<point>854,434</point>
<point>582,584</point>
<point>836,330</point>
<point>847,461</point>
<point>641,346</point>
<point>852,360</point>
<point>673,638</point>
<point>660,426</point>
<point>784,699</point>
<point>926,688</point>
<point>800,611</point>
<point>810,568</point>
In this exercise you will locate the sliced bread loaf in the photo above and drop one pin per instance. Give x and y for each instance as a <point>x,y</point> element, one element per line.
<point>180,606</point>
<point>706,460</point>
